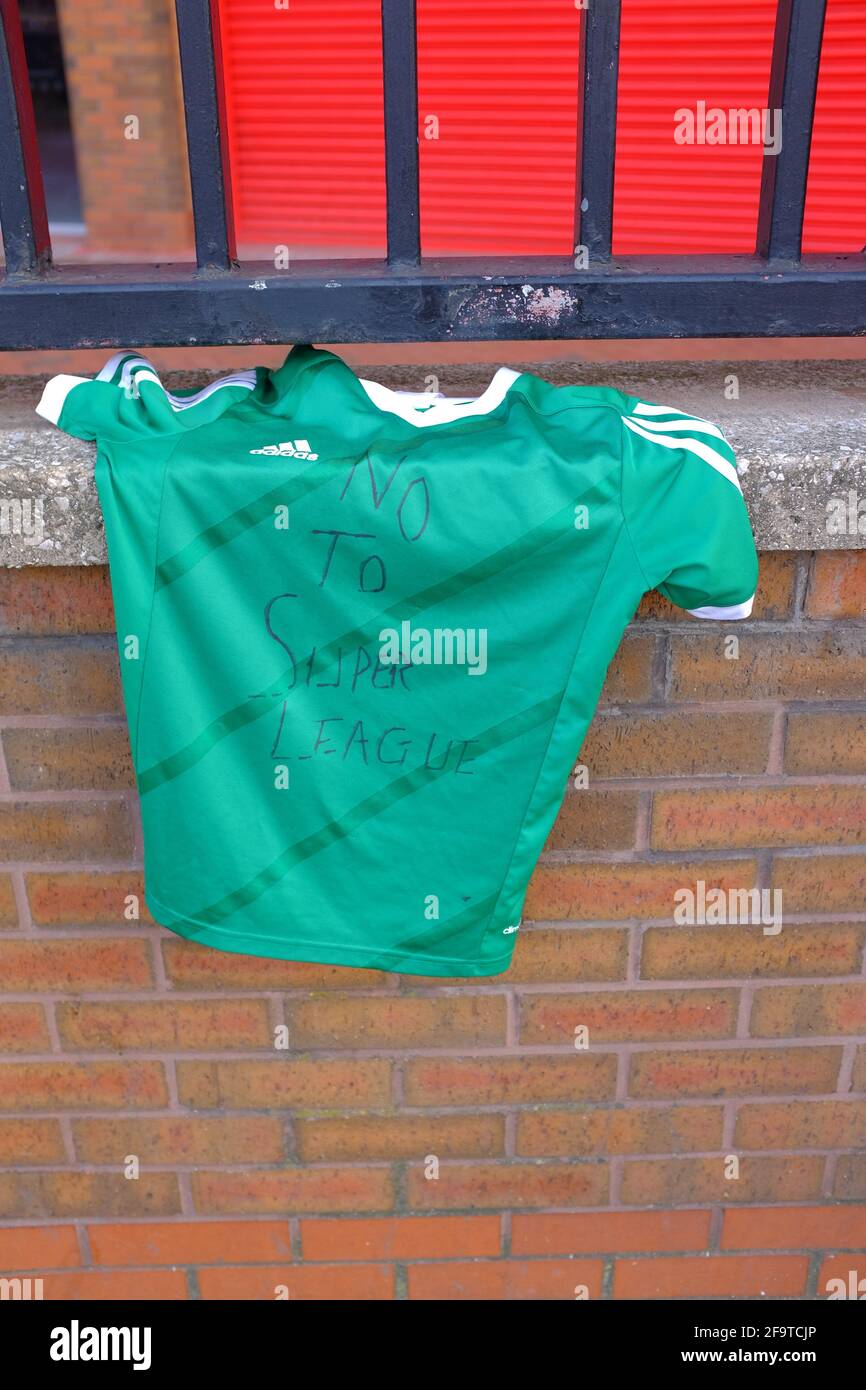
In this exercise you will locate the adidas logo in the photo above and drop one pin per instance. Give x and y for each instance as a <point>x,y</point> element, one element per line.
<point>507,930</point>
<point>290,449</point>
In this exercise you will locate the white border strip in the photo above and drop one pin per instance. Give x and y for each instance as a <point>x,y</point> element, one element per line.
<point>53,397</point>
<point>732,612</point>
<point>442,410</point>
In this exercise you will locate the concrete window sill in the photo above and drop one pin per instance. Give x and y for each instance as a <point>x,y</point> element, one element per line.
<point>798,428</point>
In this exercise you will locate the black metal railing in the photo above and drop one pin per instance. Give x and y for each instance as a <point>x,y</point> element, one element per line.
<point>776,292</point>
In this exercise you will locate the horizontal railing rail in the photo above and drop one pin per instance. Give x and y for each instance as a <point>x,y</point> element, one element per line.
<point>592,294</point>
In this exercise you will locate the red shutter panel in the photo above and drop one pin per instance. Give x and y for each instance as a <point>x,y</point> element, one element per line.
<point>500,77</point>
<point>306,138</point>
<point>836,196</point>
<point>678,198</point>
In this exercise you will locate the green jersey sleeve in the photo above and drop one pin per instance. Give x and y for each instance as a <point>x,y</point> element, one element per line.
<point>685,512</point>
<point>127,402</point>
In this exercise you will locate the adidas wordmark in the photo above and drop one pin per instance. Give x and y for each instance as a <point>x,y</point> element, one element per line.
<point>290,449</point>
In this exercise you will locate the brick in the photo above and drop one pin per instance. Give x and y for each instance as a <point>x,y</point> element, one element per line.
<point>590,819</point>
<point>190,1242</point>
<point>38,1248</point>
<point>621,1130</point>
<point>23,1028</point>
<point>795,1228</point>
<point>703,952</point>
<point>577,955</point>
<point>44,600</point>
<point>86,899</point>
<point>68,759</point>
<point>858,1080</point>
<point>734,1071</point>
<point>686,1181</point>
<point>629,676</point>
<point>8,909</point>
<point>357,1283</point>
<point>676,743</point>
<point>617,1232</point>
<point>184,1139</point>
<point>797,665</point>
<point>165,1023</point>
<point>518,1185</point>
<point>821,883</point>
<point>87,1194</point>
<point>825,741</point>
<point>25,1142</point>
<point>293,1190</point>
<point>397,1022</point>
<point>840,1276</point>
<point>801,1124</point>
<point>623,890</point>
<point>808,1010</point>
<point>850,1181</point>
<point>388,1138</point>
<point>768,1276</point>
<point>54,676</point>
<point>401,1238</point>
<point>71,965</point>
<point>777,582</point>
<point>117,1285</point>
<point>191,966</point>
<point>751,817</point>
<point>321,1084</point>
<point>506,1280</point>
<point>511,1081</point>
<point>837,585</point>
<point>40,830</point>
<point>630,1015</point>
<point>76,1085</point>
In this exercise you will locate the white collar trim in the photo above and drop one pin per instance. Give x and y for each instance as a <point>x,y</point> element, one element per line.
<point>443,409</point>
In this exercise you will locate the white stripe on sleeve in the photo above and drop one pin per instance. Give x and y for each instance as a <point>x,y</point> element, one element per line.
<point>693,446</point>
<point>684,422</point>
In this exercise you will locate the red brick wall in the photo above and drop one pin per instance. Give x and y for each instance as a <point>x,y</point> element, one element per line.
<point>558,1167</point>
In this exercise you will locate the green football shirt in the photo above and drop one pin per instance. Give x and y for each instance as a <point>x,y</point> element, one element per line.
<point>362,633</point>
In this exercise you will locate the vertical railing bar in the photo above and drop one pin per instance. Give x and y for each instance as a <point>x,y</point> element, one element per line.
<point>400,84</point>
<point>598,75</point>
<point>23,216</point>
<point>207,144</point>
<point>793,84</point>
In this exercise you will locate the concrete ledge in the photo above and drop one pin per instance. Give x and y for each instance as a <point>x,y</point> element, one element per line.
<point>799,430</point>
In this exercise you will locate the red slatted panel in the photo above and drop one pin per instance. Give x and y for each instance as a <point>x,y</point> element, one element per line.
<point>501,77</point>
<point>836,195</point>
<point>306,137</point>
<point>304,96</point>
<point>684,199</point>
